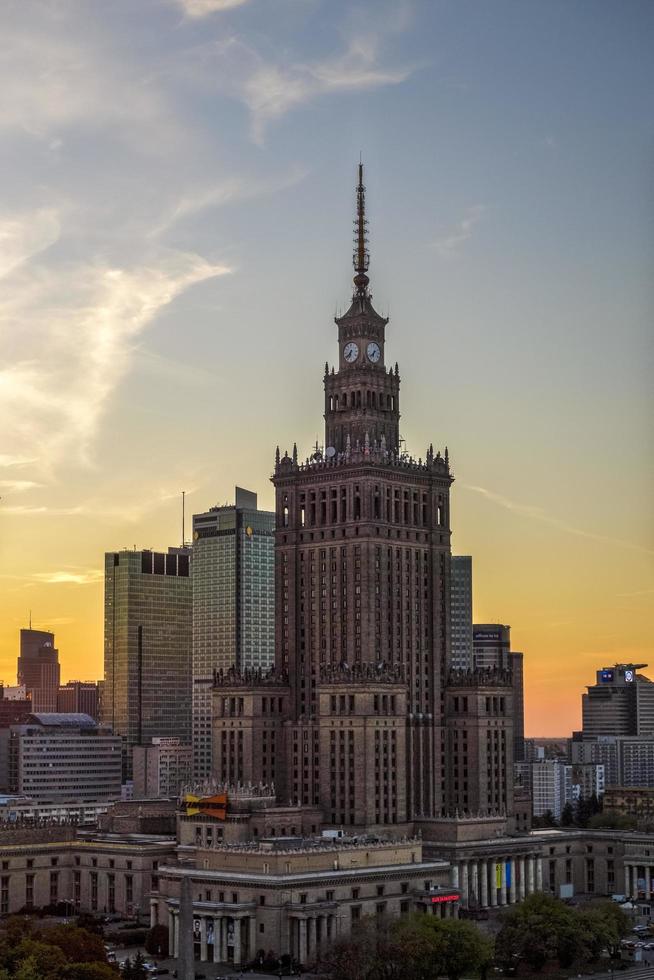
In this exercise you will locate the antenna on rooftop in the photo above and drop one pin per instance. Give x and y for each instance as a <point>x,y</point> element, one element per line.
<point>183,517</point>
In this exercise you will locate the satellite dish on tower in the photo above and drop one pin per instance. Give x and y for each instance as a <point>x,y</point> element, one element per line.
<point>330,452</point>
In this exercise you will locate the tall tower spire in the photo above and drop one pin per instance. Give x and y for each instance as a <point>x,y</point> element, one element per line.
<point>361,254</point>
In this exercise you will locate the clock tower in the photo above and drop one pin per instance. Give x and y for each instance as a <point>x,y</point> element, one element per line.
<point>362,565</point>
<point>362,396</point>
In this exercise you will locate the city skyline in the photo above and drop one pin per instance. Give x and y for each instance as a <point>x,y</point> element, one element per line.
<point>170,342</point>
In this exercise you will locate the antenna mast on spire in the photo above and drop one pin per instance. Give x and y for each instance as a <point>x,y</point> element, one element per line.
<point>183,518</point>
<point>361,254</point>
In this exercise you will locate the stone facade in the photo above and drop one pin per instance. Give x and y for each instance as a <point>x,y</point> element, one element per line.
<point>46,866</point>
<point>352,718</point>
<point>295,897</point>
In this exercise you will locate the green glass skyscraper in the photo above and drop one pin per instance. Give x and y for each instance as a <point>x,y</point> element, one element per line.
<point>233,604</point>
<point>147,647</point>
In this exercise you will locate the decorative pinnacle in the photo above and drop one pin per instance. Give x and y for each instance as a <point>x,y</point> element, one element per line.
<point>361,254</point>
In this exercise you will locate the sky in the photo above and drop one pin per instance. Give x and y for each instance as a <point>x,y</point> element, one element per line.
<point>175,239</point>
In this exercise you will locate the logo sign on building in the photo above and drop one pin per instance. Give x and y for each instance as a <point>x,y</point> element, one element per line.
<point>507,869</point>
<point>211,806</point>
<point>438,899</point>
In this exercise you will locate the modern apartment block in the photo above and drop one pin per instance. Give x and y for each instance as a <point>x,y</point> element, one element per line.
<point>461,657</point>
<point>147,647</point>
<point>162,768</point>
<point>38,668</point>
<point>551,787</point>
<point>64,758</point>
<point>233,604</point>
<point>628,760</point>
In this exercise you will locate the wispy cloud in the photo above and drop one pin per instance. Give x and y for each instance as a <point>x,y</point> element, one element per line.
<point>202,8</point>
<point>83,318</point>
<point>7,460</point>
<point>450,244</point>
<point>270,89</point>
<point>18,486</point>
<point>88,577</point>
<point>537,513</point>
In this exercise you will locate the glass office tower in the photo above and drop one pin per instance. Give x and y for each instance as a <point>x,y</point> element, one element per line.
<point>147,647</point>
<point>233,604</point>
<point>461,612</point>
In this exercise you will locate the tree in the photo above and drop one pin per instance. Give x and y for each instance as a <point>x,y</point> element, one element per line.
<point>156,941</point>
<point>464,948</point>
<point>534,932</point>
<point>612,820</point>
<point>91,971</point>
<point>567,815</point>
<point>416,947</point>
<point>78,945</point>
<point>49,961</point>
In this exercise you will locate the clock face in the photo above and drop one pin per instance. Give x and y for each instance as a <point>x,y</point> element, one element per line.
<point>373,352</point>
<point>350,352</point>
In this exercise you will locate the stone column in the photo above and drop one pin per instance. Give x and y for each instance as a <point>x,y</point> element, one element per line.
<point>237,942</point>
<point>539,873</point>
<point>634,877</point>
<point>224,956</point>
<point>522,886</point>
<point>493,882</point>
<point>483,895</point>
<point>203,939</point>
<point>512,887</point>
<point>302,952</point>
<point>503,882</point>
<point>176,936</point>
<point>627,879</point>
<point>530,874</point>
<point>454,874</point>
<point>475,882</point>
<point>217,938</point>
<point>648,883</point>
<point>252,936</point>
<point>465,898</point>
<point>171,933</point>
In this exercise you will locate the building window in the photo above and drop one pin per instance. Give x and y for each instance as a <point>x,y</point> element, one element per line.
<point>356,913</point>
<point>129,889</point>
<point>54,887</point>
<point>29,891</point>
<point>4,895</point>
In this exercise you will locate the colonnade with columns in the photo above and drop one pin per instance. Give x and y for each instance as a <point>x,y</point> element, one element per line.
<point>634,874</point>
<point>309,934</point>
<point>493,881</point>
<point>233,938</point>
<point>218,935</point>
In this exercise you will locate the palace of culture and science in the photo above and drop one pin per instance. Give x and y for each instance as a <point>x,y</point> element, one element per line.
<point>365,772</point>
<point>361,716</point>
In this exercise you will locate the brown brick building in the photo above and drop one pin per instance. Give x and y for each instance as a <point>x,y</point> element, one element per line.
<point>354,716</point>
